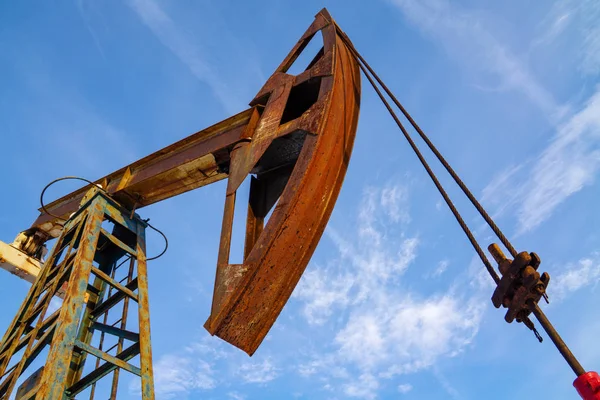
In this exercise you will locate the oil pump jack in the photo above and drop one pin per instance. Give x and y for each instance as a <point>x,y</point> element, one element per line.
<point>294,144</point>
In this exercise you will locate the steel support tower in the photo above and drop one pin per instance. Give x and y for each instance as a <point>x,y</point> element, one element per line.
<point>97,265</point>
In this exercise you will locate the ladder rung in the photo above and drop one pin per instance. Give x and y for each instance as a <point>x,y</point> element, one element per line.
<point>113,300</point>
<point>122,333</point>
<point>103,370</point>
<point>8,371</point>
<point>92,289</point>
<point>108,358</point>
<point>118,243</point>
<point>114,283</point>
<point>24,339</point>
<point>38,309</point>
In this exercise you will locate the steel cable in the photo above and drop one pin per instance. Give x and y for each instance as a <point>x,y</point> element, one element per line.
<point>64,178</point>
<point>435,151</point>
<point>552,333</point>
<point>432,175</point>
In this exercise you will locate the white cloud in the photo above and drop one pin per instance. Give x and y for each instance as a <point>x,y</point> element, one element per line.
<point>568,164</point>
<point>321,294</point>
<point>324,289</point>
<point>208,366</point>
<point>85,8</point>
<point>397,335</point>
<point>572,158</point>
<point>553,29</point>
<point>441,268</point>
<point>192,55</point>
<point>178,375</point>
<point>464,35</point>
<point>394,199</point>
<point>405,388</point>
<point>450,390</point>
<point>258,372</point>
<point>381,329</point>
<point>236,396</point>
<point>577,20</point>
<point>575,276</point>
<point>364,387</point>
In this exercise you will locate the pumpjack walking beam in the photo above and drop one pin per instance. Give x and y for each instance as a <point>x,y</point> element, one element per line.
<point>84,257</point>
<point>294,144</point>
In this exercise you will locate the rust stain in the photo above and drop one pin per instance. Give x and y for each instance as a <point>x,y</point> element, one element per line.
<point>278,253</point>
<point>295,142</point>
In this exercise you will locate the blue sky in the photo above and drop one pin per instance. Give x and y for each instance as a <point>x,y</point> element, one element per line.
<point>393,304</point>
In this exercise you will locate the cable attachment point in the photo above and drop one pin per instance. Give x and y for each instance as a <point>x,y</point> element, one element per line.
<point>529,323</point>
<point>520,286</point>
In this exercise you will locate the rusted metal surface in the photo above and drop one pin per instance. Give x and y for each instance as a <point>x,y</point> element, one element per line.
<point>520,283</point>
<point>183,166</point>
<point>91,293</point>
<point>520,290</point>
<point>29,387</point>
<point>304,175</point>
<point>294,143</point>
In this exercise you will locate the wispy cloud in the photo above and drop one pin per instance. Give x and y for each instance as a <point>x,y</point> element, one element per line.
<point>236,396</point>
<point>534,188</point>
<point>553,25</point>
<point>441,268</point>
<point>577,20</point>
<point>258,372</point>
<point>386,329</point>
<point>193,55</point>
<point>448,388</point>
<point>405,388</point>
<point>575,276</point>
<point>85,8</point>
<point>175,376</point>
<point>365,387</point>
<point>463,34</point>
<point>591,42</point>
<point>72,123</point>
<point>205,365</point>
<point>321,296</point>
<point>568,164</point>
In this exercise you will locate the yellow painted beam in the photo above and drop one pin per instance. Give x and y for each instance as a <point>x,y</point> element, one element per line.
<point>18,263</point>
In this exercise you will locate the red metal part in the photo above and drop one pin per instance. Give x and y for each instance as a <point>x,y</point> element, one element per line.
<point>249,297</point>
<point>588,386</point>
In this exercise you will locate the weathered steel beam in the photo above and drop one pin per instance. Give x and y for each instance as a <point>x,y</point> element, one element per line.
<point>18,263</point>
<point>294,143</point>
<point>197,160</point>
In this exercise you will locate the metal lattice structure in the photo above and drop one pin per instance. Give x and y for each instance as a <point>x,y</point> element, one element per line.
<point>99,271</point>
<point>293,144</point>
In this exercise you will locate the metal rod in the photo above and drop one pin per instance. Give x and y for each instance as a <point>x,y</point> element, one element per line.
<point>539,314</point>
<point>556,339</point>
<point>102,334</point>
<point>123,320</point>
<point>431,174</point>
<point>435,151</point>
